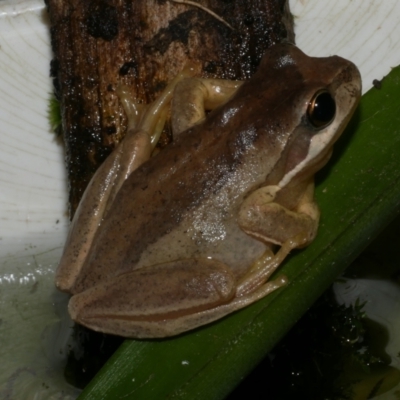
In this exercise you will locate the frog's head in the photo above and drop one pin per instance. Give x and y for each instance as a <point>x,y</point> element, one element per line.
<point>299,106</point>
<point>321,95</point>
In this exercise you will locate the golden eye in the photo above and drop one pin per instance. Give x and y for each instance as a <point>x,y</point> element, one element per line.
<point>321,109</point>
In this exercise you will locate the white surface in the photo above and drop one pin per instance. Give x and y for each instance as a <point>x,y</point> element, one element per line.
<point>33,207</point>
<point>366,32</point>
<point>32,178</point>
<point>33,199</point>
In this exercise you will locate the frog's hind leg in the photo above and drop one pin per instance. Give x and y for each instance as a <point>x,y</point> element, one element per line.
<point>155,301</point>
<point>168,299</point>
<point>253,286</point>
<point>96,201</point>
<point>145,124</point>
<point>266,265</point>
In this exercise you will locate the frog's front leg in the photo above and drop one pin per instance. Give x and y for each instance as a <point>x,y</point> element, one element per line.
<point>262,217</point>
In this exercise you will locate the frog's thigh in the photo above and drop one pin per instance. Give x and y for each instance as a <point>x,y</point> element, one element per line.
<point>154,301</point>
<point>269,221</point>
<point>192,96</point>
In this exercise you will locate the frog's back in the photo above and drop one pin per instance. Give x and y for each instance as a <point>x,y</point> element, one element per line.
<point>180,204</point>
<point>187,196</point>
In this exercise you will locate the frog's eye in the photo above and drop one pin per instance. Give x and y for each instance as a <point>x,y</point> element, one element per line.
<point>321,109</point>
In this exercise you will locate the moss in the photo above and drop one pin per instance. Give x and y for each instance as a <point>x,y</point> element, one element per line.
<point>55,115</point>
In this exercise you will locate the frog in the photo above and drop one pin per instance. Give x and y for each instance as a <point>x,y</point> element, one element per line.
<point>165,242</point>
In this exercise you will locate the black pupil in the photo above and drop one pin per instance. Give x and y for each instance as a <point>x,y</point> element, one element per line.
<point>322,109</point>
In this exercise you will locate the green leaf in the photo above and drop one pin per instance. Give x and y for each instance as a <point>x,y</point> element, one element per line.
<point>358,193</point>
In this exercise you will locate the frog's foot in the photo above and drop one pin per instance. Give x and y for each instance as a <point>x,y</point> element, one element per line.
<point>133,110</point>
<point>155,301</point>
<point>193,96</point>
<point>151,118</point>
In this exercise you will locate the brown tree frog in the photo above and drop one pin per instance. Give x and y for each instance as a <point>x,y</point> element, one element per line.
<point>161,245</point>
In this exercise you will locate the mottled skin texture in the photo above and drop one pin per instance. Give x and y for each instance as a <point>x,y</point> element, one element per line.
<point>212,203</point>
